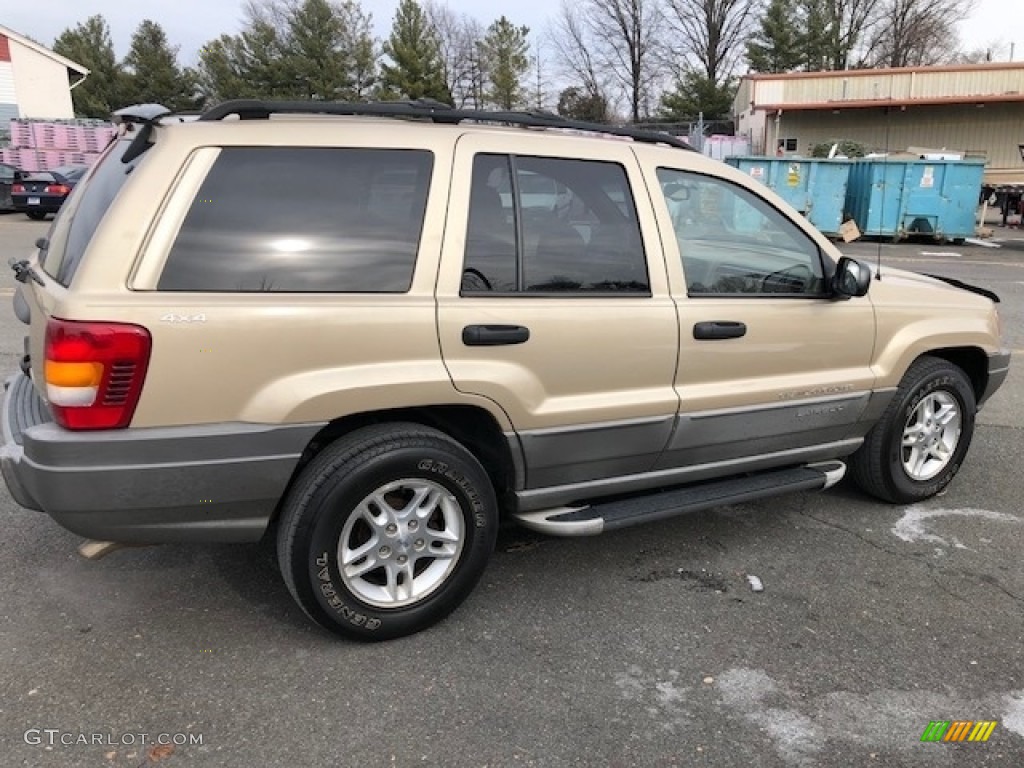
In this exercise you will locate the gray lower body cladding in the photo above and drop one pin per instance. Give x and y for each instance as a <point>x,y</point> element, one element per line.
<point>208,483</point>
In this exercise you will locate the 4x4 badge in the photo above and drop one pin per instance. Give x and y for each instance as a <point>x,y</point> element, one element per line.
<point>173,318</point>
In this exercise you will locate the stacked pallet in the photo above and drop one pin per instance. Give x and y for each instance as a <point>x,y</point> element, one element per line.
<point>38,145</point>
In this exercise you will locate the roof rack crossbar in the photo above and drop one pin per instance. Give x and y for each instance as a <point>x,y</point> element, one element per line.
<point>438,112</point>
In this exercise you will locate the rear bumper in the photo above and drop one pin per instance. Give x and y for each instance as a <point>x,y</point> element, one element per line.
<point>998,368</point>
<point>207,483</point>
<point>21,205</point>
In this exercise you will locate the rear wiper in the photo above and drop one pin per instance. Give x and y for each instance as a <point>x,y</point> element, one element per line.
<point>23,271</point>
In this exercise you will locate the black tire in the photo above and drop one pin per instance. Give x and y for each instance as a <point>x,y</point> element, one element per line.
<point>36,215</point>
<point>324,507</point>
<point>878,465</point>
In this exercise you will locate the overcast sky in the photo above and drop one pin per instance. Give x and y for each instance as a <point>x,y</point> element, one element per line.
<point>190,23</point>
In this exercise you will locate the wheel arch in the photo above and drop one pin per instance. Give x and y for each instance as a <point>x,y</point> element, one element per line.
<point>471,426</point>
<point>971,360</point>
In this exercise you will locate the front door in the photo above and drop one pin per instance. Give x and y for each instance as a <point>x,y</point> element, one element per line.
<point>771,370</point>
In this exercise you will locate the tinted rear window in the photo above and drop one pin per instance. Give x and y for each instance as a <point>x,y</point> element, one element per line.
<point>303,220</point>
<point>82,213</point>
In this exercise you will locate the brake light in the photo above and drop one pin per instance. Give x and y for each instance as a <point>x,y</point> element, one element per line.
<point>57,189</point>
<point>94,372</point>
<point>17,189</point>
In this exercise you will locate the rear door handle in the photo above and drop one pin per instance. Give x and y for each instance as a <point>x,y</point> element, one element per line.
<point>719,329</point>
<point>494,335</point>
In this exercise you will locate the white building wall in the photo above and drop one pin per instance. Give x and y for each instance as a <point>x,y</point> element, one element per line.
<point>8,96</point>
<point>41,84</point>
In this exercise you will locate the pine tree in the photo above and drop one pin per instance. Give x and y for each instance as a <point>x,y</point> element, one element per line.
<point>505,53</point>
<point>414,69</point>
<point>776,46</point>
<point>695,94</point>
<point>314,58</point>
<point>576,103</point>
<point>220,78</point>
<point>155,76</point>
<point>89,44</point>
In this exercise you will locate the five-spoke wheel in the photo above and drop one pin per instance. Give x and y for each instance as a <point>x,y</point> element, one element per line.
<point>386,531</point>
<point>917,446</point>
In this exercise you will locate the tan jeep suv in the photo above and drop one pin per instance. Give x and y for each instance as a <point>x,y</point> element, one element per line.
<point>373,330</point>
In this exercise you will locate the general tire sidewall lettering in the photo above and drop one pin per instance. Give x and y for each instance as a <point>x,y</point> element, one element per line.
<point>337,501</point>
<point>924,489</point>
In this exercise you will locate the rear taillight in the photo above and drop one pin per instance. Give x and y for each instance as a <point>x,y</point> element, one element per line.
<point>57,189</point>
<point>18,189</point>
<point>94,372</point>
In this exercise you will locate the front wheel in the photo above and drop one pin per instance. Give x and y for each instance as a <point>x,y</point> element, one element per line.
<point>917,446</point>
<point>387,531</point>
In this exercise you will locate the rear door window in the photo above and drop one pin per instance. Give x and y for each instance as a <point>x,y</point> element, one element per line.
<point>303,220</point>
<point>540,225</point>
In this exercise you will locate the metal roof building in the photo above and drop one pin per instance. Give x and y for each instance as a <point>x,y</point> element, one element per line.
<point>976,110</point>
<point>35,82</point>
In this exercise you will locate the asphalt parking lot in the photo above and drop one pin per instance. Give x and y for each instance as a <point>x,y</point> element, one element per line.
<point>642,648</point>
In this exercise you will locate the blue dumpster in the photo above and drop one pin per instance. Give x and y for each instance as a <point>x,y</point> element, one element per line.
<point>815,187</point>
<point>895,198</point>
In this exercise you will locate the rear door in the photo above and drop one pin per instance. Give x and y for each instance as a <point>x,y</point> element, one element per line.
<point>553,302</point>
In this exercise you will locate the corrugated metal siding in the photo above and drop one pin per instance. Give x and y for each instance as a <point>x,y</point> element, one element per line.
<point>857,86</point>
<point>769,91</point>
<point>993,131</point>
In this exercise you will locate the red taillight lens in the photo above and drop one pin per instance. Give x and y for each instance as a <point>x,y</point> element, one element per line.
<point>17,189</point>
<point>57,189</point>
<point>94,372</point>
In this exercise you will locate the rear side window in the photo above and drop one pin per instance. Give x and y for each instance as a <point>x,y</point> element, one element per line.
<point>84,210</point>
<point>546,225</point>
<point>303,220</point>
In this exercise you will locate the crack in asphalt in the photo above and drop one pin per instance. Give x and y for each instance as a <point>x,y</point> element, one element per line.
<point>933,569</point>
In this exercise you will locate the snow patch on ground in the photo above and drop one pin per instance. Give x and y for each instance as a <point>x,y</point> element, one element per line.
<point>1013,720</point>
<point>911,527</point>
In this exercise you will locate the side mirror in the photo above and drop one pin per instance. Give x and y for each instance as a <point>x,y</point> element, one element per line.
<point>851,279</point>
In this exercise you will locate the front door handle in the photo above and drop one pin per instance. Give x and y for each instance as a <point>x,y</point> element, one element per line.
<point>494,335</point>
<point>719,329</point>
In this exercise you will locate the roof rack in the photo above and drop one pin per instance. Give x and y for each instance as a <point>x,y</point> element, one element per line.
<point>429,109</point>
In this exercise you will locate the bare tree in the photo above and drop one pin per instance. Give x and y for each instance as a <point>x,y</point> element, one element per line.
<point>570,39</point>
<point>457,36</point>
<point>711,34</point>
<point>616,37</point>
<point>539,86</point>
<point>917,32</point>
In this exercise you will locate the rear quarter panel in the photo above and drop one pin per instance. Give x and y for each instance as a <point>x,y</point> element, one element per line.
<point>264,357</point>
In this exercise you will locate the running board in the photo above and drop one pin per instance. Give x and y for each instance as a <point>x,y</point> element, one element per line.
<point>590,520</point>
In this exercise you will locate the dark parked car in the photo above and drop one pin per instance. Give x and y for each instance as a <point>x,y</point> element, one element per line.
<point>38,194</point>
<point>8,175</point>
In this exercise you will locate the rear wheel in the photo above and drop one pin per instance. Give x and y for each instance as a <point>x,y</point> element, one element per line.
<point>36,215</point>
<point>916,448</point>
<point>387,531</point>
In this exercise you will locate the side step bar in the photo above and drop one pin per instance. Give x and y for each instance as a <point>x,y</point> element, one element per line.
<point>590,520</point>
